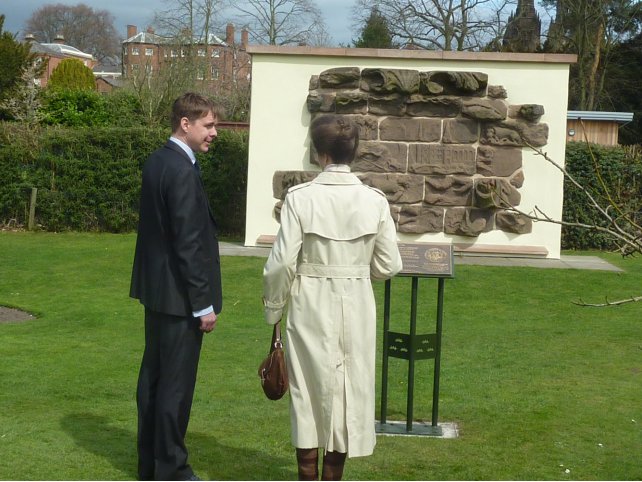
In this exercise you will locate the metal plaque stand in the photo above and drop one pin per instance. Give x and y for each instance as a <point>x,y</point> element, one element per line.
<point>419,261</point>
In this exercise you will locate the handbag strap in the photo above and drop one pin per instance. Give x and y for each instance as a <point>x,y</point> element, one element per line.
<point>276,337</point>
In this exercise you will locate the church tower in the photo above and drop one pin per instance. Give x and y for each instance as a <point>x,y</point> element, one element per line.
<point>523,29</point>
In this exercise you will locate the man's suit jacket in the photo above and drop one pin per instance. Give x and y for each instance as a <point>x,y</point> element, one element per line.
<point>176,264</point>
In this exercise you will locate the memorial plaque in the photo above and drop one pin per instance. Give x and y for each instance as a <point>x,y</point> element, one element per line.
<point>427,259</point>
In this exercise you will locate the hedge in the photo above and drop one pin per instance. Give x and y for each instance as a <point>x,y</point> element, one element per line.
<point>89,179</point>
<point>620,170</point>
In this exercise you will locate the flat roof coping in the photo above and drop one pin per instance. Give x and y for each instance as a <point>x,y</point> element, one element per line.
<point>412,54</point>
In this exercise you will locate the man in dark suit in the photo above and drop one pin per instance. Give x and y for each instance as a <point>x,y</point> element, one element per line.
<point>176,276</point>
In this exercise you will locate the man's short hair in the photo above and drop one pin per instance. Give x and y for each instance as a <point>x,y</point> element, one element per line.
<point>193,106</point>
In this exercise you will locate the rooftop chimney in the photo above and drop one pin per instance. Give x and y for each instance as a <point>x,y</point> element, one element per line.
<point>229,34</point>
<point>149,30</point>
<point>60,39</point>
<point>30,38</point>
<point>244,38</point>
<point>131,31</point>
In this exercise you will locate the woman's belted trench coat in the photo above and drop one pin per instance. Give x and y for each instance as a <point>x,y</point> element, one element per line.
<point>336,234</point>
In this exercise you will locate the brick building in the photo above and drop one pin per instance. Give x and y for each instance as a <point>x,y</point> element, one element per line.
<point>219,64</point>
<point>54,53</point>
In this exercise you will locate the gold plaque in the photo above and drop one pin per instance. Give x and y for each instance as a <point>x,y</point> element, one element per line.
<point>427,259</point>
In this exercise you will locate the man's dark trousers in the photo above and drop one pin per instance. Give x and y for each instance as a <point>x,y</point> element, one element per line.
<point>164,395</point>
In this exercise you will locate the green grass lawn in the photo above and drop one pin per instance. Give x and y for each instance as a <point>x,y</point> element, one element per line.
<point>537,385</point>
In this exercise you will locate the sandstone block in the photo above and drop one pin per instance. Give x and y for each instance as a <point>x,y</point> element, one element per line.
<point>387,81</point>
<point>398,188</point>
<point>277,211</point>
<point>410,130</point>
<point>460,131</point>
<point>419,219</point>
<point>340,78</point>
<point>497,92</point>
<point>517,179</point>
<point>314,82</point>
<point>284,180</point>
<point>498,161</point>
<point>351,103</point>
<point>468,221</point>
<point>449,190</point>
<point>453,83</point>
<point>391,104</point>
<point>320,102</point>
<point>441,159</point>
<point>512,222</point>
<point>528,112</point>
<point>381,157</point>
<point>484,109</point>
<point>368,127</point>
<point>492,192</point>
<point>427,106</point>
<point>514,133</point>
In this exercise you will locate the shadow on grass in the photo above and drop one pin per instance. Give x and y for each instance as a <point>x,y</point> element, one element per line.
<point>218,461</point>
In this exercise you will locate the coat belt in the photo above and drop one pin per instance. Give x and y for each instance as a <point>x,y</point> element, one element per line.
<point>333,271</point>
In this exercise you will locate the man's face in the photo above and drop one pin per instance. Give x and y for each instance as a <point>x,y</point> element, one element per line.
<point>200,133</point>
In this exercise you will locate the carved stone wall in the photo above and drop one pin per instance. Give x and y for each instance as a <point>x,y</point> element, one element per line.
<point>445,147</point>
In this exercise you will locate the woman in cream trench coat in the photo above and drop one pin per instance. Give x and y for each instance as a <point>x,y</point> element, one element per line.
<point>336,234</point>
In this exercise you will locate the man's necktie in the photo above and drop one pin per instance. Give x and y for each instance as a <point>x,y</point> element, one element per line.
<point>197,167</point>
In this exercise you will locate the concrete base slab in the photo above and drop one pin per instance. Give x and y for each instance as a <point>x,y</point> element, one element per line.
<point>419,429</point>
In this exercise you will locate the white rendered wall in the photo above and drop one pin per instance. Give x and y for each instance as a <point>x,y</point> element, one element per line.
<point>279,133</point>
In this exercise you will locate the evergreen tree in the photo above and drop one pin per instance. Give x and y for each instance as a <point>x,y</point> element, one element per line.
<point>15,58</point>
<point>72,74</point>
<point>375,33</point>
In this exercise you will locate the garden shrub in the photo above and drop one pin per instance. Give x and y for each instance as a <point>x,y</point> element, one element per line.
<point>621,172</point>
<point>72,74</point>
<point>89,179</point>
<point>75,108</point>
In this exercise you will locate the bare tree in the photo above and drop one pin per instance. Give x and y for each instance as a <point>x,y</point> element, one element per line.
<point>441,24</point>
<point>190,20</point>
<point>613,219</point>
<point>89,30</point>
<point>283,22</point>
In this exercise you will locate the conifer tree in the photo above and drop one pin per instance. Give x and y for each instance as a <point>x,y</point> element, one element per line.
<point>375,33</point>
<point>72,74</point>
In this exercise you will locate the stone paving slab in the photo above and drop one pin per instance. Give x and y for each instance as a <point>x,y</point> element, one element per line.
<point>565,262</point>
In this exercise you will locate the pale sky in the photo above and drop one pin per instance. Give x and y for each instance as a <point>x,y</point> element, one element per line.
<point>140,13</point>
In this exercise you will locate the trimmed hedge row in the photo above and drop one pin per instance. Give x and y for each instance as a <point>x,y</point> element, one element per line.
<point>620,170</point>
<point>89,179</point>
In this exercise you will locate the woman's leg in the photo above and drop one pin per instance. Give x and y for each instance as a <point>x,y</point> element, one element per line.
<point>333,463</point>
<point>308,462</point>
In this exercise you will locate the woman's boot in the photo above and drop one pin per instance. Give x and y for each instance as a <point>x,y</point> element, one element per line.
<point>333,463</point>
<point>308,462</point>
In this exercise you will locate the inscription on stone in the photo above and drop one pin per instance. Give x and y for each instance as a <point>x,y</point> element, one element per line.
<point>427,259</point>
<point>440,159</point>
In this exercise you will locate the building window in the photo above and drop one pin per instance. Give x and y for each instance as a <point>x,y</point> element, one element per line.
<point>135,51</point>
<point>149,52</point>
<point>215,72</point>
<point>216,53</point>
<point>182,53</point>
<point>174,53</point>
<point>134,68</point>
<point>201,52</point>
<point>148,69</point>
<point>200,74</point>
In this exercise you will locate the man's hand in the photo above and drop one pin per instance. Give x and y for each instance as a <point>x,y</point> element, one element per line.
<point>208,322</point>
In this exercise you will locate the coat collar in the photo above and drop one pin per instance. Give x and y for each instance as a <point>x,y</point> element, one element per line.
<point>329,177</point>
<point>176,148</point>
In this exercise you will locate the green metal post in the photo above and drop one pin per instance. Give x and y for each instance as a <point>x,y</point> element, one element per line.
<point>435,385</point>
<point>384,363</point>
<point>411,354</point>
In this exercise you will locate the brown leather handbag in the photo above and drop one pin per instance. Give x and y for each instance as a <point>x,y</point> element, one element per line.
<point>273,370</point>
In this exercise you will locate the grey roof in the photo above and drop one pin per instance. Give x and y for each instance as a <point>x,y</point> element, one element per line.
<point>39,48</point>
<point>621,117</point>
<point>152,38</point>
<point>68,50</point>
